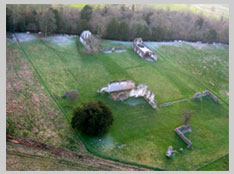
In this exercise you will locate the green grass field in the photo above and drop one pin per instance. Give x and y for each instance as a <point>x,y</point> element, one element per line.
<point>179,72</point>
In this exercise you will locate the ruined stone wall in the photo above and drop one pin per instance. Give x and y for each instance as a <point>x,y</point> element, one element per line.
<point>90,42</point>
<point>211,95</point>
<point>171,103</point>
<point>199,95</point>
<point>85,43</point>
<point>136,47</point>
<point>180,131</point>
<point>115,86</point>
<point>138,50</point>
<point>122,90</point>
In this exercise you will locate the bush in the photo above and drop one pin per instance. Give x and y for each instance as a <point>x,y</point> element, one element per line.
<point>187,116</point>
<point>92,118</point>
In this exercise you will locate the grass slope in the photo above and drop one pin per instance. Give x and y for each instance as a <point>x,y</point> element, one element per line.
<point>146,133</point>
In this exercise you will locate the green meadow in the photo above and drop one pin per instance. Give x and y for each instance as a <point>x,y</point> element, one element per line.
<point>141,135</point>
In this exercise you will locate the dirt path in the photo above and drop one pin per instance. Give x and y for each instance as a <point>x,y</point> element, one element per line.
<point>74,158</point>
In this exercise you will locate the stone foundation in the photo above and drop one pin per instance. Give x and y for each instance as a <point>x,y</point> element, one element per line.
<point>199,95</point>
<point>181,131</point>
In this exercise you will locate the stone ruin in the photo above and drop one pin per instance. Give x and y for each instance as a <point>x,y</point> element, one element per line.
<point>71,96</point>
<point>122,146</point>
<point>181,131</point>
<point>90,42</point>
<point>181,150</point>
<point>170,152</point>
<point>122,90</point>
<point>199,95</point>
<point>84,36</point>
<point>211,95</point>
<point>143,51</point>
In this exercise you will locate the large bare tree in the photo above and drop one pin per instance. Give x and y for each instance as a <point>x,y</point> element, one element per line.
<point>46,18</point>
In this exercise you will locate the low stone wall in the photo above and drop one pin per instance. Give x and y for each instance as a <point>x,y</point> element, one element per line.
<point>171,103</point>
<point>211,95</point>
<point>181,131</point>
<point>85,43</point>
<point>199,95</point>
<point>113,49</point>
<point>142,50</point>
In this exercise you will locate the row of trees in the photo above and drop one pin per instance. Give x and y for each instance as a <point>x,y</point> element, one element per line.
<point>119,23</point>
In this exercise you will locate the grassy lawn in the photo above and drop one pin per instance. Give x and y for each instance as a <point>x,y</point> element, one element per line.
<point>218,165</point>
<point>31,112</point>
<point>145,132</point>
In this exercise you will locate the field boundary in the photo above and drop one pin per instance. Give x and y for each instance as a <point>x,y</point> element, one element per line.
<point>211,162</point>
<point>41,80</point>
<point>174,102</point>
<point>191,76</point>
<point>66,154</point>
<point>69,120</point>
<point>78,134</point>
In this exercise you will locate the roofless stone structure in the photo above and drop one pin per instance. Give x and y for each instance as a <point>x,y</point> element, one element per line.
<point>143,51</point>
<point>181,131</point>
<point>122,90</point>
<point>84,36</point>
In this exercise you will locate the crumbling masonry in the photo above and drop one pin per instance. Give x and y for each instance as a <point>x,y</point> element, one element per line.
<point>199,95</point>
<point>83,38</point>
<point>181,131</point>
<point>122,90</point>
<point>90,42</point>
<point>143,51</point>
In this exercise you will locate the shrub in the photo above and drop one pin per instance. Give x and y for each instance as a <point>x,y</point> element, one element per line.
<point>187,116</point>
<point>92,118</point>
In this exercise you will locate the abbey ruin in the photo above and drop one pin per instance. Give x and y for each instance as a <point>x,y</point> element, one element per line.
<point>181,131</point>
<point>84,36</point>
<point>90,42</point>
<point>143,51</point>
<point>122,90</point>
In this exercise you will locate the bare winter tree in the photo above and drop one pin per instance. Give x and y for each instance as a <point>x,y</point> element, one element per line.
<point>142,20</point>
<point>46,19</point>
<point>187,116</point>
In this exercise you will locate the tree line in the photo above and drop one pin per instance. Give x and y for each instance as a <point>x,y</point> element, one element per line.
<point>118,23</point>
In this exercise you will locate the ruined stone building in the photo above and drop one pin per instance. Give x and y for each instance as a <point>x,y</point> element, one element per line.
<point>84,36</point>
<point>122,90</point>
<point>199,95</point>
<point>90,42</point>
<point>142,50</point>
<point>181,131</point>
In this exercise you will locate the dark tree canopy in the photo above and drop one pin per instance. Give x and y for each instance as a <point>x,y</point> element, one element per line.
<point>112,29</point>
<point>93,118</point>
<point>83,25</point>
<point>86,12</point>
<point>118,22</point>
